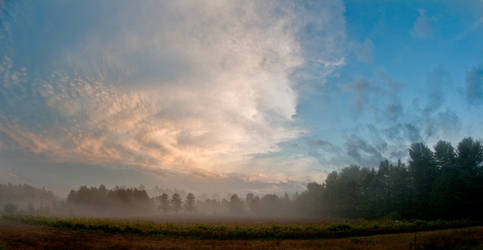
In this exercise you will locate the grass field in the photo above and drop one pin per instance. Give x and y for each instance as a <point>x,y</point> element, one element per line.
<point>249,231</point>
<point>18,235</point>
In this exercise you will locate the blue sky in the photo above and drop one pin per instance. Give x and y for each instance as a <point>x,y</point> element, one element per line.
<point>407,69</point>
<point>238,96</point>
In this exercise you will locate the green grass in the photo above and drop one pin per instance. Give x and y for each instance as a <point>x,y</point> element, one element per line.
<point>256,231</point>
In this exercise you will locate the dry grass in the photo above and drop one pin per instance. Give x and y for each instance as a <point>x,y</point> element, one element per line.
<point>15,235</point>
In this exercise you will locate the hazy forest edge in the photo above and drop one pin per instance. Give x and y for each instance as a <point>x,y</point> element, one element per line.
<point>440,183</point>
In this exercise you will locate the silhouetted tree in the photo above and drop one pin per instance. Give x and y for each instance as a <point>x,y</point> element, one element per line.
<point>470,156</point>
<point>439,184</point>
<point>444,154</point>
<point>422,167</point>
<point>470,182</point>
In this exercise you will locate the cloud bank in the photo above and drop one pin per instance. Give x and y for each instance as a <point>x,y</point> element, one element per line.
<point>181,86</point>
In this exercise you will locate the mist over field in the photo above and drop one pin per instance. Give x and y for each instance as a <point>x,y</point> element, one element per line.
<point>443,183</point>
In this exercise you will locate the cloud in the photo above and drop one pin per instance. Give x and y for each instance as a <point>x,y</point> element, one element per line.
<point>328,155</point>
<point>474,85</point>
<point>363,90</point>
<point>387,125</point>
<point>438,82</point>
<point>181,86</point>
<point>412,133</point>
<point>362,152</point>
<point>394,111</point>
<point>62,177</point>
<point>423,27</point>
<point>474,27</point>
<point>444,124</point>
<point>323,144</point>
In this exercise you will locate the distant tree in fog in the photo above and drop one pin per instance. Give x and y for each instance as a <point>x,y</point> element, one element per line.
<point>211,206</point>
<point>164,203</point>
<point>30,208</point>
<point>107,201</point>
<point>16,194</point>
<point>236,204</point>
<point>252,202</point>
<point>9,208</point>
<point>176,202</point>
<point>190,203</point>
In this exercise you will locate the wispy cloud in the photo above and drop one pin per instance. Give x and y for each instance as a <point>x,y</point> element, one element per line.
<point>474,27</point>
<point>474,85</point>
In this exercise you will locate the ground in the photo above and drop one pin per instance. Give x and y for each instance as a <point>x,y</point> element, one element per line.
<point>14,235</point>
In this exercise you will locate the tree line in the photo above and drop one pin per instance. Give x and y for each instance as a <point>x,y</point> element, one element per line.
<point>30,199</point>
<point>443,183</point>
<point>117,201</point>
<point>439,183</point>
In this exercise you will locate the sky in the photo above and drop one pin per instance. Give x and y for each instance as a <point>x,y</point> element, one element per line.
<point>230,96</point>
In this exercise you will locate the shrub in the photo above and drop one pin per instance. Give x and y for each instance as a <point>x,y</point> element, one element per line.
<point>340,227</point>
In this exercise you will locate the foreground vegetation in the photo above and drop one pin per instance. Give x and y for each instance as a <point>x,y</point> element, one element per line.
<point>16,235</point>
<point>255,231</point>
